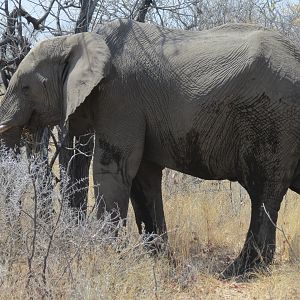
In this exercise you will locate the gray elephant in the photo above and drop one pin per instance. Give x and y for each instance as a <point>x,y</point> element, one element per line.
<point>217,104</point>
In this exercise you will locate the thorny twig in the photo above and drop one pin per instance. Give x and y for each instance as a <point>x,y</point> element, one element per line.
<point>282,231</point>
<point>155,282</point>
<point>33,242</point>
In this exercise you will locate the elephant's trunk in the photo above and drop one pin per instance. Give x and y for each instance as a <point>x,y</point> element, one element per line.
<point>13,112</point>
<point>11,138</point>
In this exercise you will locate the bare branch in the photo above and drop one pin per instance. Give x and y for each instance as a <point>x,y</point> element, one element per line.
<point>44,17</point>
<point>143,10</point>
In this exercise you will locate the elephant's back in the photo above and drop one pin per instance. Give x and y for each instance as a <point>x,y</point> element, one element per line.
<point>242,57</point>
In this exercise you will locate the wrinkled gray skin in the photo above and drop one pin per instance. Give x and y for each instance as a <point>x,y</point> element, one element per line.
<point>217,104</point>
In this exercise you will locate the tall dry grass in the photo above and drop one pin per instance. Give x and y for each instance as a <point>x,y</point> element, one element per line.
<point>207,224</point>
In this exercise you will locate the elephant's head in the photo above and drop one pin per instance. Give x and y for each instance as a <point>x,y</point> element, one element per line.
<point>53,80</point>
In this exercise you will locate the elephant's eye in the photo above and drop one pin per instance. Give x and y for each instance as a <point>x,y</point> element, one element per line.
<point>25,89</point>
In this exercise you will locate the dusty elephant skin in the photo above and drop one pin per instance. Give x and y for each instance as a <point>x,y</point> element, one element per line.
<point>217,104</point>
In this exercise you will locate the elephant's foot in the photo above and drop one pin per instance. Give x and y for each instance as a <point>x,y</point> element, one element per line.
<point>155,244</point>
<point>243,272</point>
<point>238,268</point>
<point>250,261</point>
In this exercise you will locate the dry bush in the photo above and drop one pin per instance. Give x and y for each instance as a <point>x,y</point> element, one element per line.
<point>47,253</point>
<point>52,256</point>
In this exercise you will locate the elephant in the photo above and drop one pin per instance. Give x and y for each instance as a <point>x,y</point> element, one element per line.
<point>218,104</point>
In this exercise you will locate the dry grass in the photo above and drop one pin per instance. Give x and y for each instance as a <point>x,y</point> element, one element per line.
<point>206,231</point>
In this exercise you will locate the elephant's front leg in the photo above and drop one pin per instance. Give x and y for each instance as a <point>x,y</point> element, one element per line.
<point>115,166</point>
<point>146,198</point>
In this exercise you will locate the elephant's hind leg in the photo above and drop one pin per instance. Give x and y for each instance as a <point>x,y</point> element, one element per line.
<point>259,247</point>
<point>146,198</point>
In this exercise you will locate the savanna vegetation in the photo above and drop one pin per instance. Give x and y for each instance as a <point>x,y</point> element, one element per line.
<point>50,255</point>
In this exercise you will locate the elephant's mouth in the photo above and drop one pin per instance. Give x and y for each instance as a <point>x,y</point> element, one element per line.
<point>4,128</point>
<point>31,124</point>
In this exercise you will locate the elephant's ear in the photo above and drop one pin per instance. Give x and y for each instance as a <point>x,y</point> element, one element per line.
<point>87,64</point>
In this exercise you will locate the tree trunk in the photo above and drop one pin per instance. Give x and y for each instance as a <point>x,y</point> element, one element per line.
<point>143,9</point>
<point>85,16</point>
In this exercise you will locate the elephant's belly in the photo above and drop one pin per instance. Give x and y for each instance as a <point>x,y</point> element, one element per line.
<point>194,158</point>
